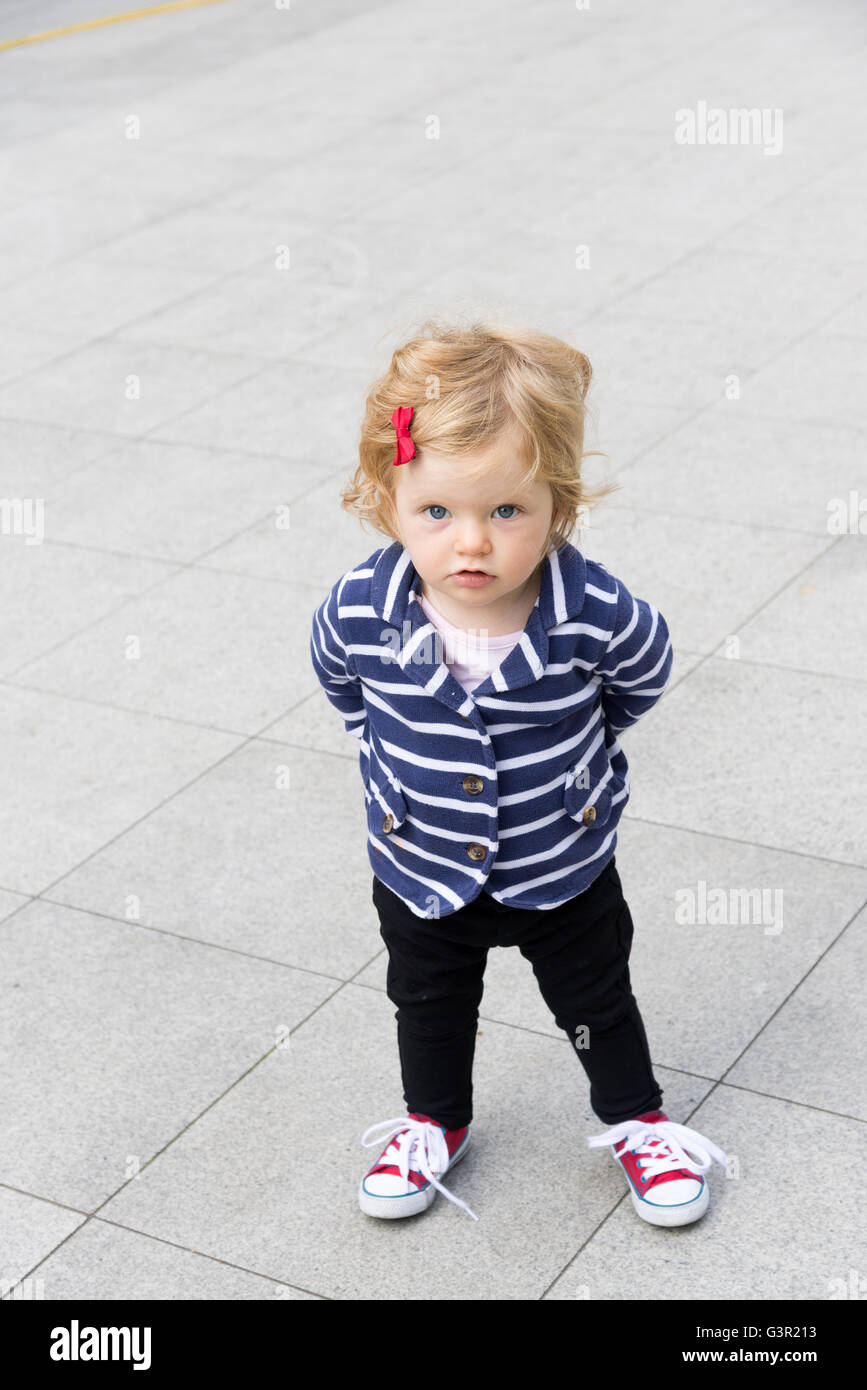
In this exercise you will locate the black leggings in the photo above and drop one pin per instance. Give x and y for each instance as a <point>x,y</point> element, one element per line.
<point>579,953</point>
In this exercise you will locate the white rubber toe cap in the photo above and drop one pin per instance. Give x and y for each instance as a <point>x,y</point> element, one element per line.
<point>671,1194</point>
<point>388,1185</point>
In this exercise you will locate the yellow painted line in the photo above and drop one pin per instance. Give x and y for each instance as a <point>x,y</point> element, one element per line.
<point>109,19</point>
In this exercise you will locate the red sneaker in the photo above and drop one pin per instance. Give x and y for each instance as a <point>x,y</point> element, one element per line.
<point>666,1186</point>
<point>404,1181</point>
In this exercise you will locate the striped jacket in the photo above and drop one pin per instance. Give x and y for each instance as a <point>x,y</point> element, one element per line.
<point>515,789</point>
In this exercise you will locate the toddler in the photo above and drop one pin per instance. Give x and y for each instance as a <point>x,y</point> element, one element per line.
<point>487,669</point>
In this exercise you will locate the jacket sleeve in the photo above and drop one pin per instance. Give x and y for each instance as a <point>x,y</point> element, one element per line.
<point>332,664</point>
<point>636,664</point>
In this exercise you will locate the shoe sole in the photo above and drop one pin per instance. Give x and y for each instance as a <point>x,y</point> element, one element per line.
<point>392,1208</point>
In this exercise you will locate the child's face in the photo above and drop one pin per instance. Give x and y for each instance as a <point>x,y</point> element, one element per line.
<point>498,523</point>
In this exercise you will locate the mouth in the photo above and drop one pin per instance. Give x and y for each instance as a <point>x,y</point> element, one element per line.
<point>472,579</point>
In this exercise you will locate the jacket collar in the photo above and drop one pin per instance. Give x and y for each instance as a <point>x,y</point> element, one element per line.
<point>395,592</point>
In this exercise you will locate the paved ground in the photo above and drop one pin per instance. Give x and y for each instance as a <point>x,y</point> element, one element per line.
<point>194,1024</point>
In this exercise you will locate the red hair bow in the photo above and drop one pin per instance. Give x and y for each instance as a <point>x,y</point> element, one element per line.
<point>405,446</point>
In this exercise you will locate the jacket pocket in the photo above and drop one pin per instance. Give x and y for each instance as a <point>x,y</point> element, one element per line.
<point>586,798</point>
<point>386,807</point>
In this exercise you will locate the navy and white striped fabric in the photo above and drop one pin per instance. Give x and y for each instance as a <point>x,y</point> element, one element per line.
<point>516,788</point>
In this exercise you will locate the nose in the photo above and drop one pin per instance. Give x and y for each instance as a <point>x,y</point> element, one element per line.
<point>472,539</point>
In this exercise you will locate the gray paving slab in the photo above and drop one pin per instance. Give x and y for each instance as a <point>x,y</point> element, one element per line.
<point>218,499</point>
<point>105,1261</point>
<point>818,622</point>
<point>193,238</point>
<point>37,456</point>
<point>812,1050</point>
<point>11,902</point>
<point>75,774</point>
<point>835,366</point>
<point>566,283</point>
<point>262,415</point>
<point>139,1032</point>
<point>851,322</point>
<point>763,780</point>
<point>59,226</point>
<point>236,858</point>
<point>198,633</point>
<point>312,546</point>
<point>804,229</point>
<point>635,356</point>
<point>264,311</point>
<point>86,298</point>
<point>339,183</point>
<point>705,596</point>
<point>32,1228</point>
<point>754,471</point>
<point>31,348</point>
<point>751,291</point>
<point>54,589</point>
<point>125,388</point>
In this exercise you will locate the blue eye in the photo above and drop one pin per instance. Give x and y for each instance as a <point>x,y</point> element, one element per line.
<point>504,506</point>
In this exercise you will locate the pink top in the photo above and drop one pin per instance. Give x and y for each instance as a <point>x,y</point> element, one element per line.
<point>470,654</point>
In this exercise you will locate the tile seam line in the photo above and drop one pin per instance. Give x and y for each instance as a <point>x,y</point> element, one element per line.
<point>196,561</point>
<point>783,1002</point>
<point>337,980</point>
<point>709,243</point>
<point>204,772</point>
<point>174,568</point>
<point>771,598</point>
<point>715,655</point>
<point>645,509</point>
<point>137,712</point>
<point>733,840</point>
<point>160,716</point>
<point>113,440</point>
<point>147,1235</point>
<point>242,1076</point>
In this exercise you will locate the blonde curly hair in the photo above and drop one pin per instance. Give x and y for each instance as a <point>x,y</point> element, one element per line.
<point>468,385</point>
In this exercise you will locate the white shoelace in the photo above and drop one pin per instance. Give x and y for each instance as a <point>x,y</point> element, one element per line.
<point>663,1146</point>
<point>423,1147</point>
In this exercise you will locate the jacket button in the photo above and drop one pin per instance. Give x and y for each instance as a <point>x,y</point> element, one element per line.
<point>589,815</point>
<point>476,851</point>
<point>473,785</point>
<point>388,824</point>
